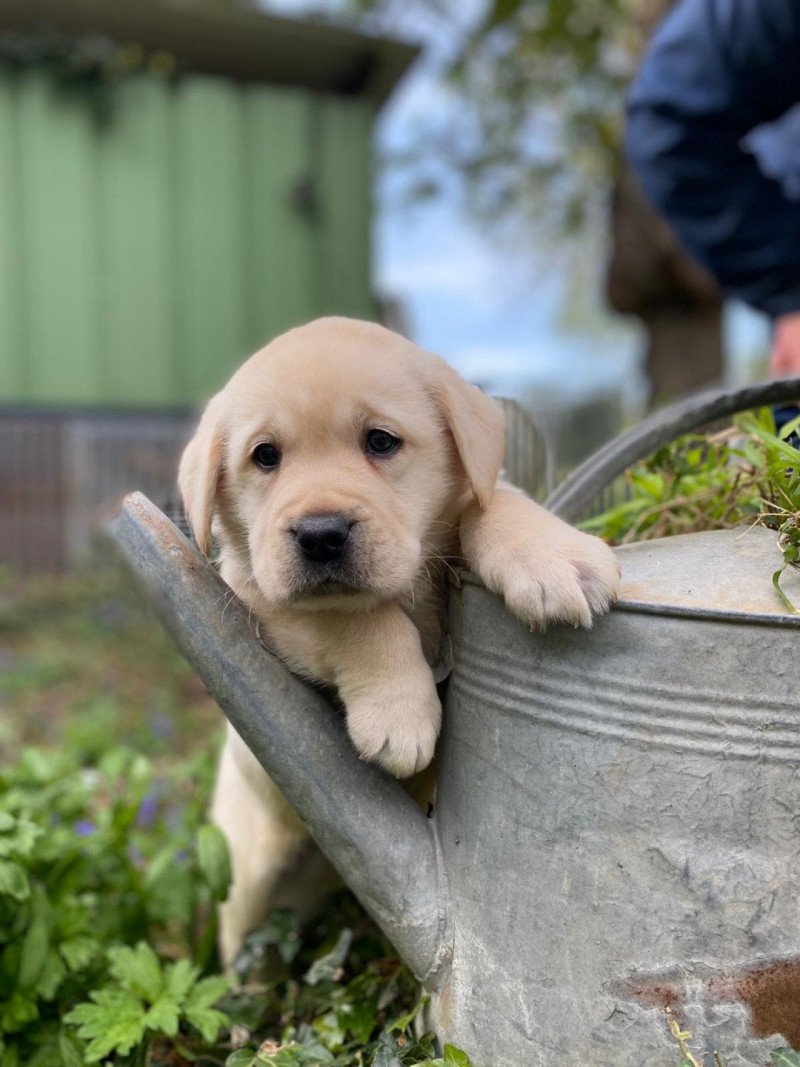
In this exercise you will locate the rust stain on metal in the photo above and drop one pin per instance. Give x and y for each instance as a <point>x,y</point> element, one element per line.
<point>656,994</point>
<point>771,992</point>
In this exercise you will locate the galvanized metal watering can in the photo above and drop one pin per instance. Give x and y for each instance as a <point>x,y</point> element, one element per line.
<point>616,841</point>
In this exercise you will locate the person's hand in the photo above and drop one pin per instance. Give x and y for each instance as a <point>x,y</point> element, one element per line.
<point>785,354</point>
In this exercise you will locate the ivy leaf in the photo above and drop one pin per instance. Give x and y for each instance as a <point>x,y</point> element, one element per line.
<point>113,1022</point>
<point>326,966</point>
<point>454,1057</point>
<point>386,1058</point>
<point>243,1057</point>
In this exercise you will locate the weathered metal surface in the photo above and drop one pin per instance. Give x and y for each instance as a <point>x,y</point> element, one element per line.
<point>722,573</point>
<point>617,815</point>
<point>375,835</point>
<point>618,819</point>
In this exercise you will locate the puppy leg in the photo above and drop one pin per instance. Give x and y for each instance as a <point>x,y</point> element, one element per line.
<point>545,570</point>
<point>393,710</point>
<point>264,836</point>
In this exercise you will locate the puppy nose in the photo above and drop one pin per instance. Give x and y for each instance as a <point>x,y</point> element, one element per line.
<point>322,537</point>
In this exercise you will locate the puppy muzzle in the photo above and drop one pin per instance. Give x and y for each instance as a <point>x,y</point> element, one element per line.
<point>326,549</point>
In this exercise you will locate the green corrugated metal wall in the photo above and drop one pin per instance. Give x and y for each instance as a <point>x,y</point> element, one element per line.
<point>143,256</point>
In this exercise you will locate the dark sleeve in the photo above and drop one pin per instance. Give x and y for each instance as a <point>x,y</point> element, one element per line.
<point>714,70</point>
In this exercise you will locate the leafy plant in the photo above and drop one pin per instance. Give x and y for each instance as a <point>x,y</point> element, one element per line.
<point>94,859</point>
<point>745,475</point>
<point>109,868</point>
<point>341,999</point>
<point>143,996</point>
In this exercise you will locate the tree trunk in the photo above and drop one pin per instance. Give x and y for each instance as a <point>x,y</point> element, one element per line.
<point>651,276</point>
<point>684,351</point>
<point>679,303</point>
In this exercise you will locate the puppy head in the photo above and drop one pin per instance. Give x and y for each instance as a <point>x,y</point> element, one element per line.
<point>330,456</point>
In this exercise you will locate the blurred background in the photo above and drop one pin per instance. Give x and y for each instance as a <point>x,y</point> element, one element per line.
<point>180,180</point>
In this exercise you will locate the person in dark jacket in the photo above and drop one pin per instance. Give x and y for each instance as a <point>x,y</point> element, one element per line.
<point>716,145</point>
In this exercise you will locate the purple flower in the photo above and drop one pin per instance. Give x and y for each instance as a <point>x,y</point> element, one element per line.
<point>148,810</point>
<point>84,828</point>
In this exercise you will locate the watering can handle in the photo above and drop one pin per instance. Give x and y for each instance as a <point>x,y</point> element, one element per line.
<point>570,499</point>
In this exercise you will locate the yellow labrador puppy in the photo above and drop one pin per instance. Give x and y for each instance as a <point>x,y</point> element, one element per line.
<point>340,472</point>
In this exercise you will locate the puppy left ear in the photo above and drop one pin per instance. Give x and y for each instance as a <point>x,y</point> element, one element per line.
<point>477,424</point>
<point>200,472</point>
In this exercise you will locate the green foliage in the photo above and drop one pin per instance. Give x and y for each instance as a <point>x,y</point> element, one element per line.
<point>143,995</point>
<point>83,852</point>
<point>342,999</point>
<point>539,86</point>
<point>109,876</point>
<point>748,474</point>
<point>93,64</point>
<point>109,872</point>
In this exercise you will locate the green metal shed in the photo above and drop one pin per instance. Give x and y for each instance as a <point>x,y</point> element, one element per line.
<point>145,251</point>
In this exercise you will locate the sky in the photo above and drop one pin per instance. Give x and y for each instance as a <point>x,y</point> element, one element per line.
<point>496,312</point>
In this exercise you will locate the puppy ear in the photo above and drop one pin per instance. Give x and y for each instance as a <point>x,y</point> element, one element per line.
<point>477,424</point>
<point>199,474</point>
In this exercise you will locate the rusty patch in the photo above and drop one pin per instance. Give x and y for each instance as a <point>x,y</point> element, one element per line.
<point>771,992</point>
<point>656,994</point>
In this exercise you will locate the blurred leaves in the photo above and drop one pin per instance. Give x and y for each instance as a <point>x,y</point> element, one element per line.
<point>92,64</point>
<point>536,88</point>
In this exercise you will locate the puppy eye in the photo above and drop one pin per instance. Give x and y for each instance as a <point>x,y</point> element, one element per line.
<point>266,456</point>
<point>382,443</point>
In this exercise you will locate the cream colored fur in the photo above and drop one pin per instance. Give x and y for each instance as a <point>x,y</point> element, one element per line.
<point>315,393</point>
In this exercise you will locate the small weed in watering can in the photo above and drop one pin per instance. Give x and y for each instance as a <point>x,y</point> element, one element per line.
<point>746,475</point>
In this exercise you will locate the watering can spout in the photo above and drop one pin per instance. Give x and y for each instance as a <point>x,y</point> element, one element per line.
<point>370,829</point>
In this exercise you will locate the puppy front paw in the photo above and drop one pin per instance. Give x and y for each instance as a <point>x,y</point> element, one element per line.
<point>397,730</point>
<point>569,579</point>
